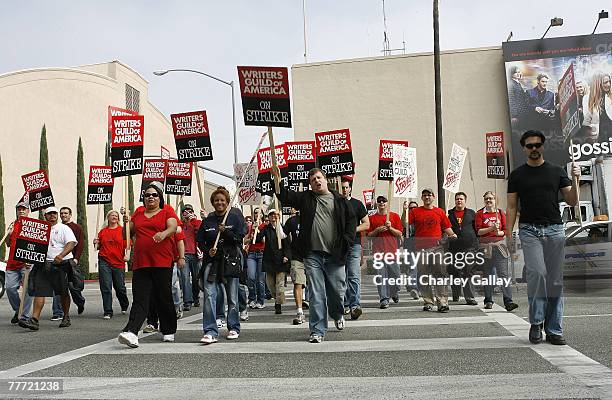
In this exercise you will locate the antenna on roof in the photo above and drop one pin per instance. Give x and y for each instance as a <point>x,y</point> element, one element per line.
<point>386,51</point>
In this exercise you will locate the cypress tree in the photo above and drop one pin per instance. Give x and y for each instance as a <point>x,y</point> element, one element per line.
<point>2,221</point>
<point>81,207</point>
<point>131,193</point>
<point>107,162</point>
<point>43,157</point>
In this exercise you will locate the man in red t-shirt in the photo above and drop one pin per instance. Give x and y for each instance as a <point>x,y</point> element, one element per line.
<point>429,223</point>
<point>16,270</point>
<point>386,235</point>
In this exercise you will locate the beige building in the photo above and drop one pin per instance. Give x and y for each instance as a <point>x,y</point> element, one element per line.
<point>72,103</point>
<point>393,98</point>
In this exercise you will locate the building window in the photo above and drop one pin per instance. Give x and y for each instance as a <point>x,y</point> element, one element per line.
<point>132,98</point>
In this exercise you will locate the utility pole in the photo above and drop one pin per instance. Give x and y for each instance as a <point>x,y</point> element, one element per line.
<point>438,100</point>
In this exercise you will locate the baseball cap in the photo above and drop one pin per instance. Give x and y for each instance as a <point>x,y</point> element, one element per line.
<point>381,199</point>
<point>272,210</point>
<point>428,190</point>
<point>51,209</point>
<point>186,207</point>
<point>23,204</point>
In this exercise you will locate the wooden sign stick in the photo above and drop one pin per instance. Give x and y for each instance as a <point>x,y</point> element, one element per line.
<point>389,193</point>
<point>577,182</point>
<point>276,182</point>
<point>126,205</point>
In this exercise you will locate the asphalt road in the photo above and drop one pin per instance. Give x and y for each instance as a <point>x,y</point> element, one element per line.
<point>402,352</point>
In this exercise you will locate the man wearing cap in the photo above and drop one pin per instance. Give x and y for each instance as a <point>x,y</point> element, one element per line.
<point>52,277</point>
<point>429,224</point>
<point>77,295</point>
<point>15,272</point>
<point>189,285</point>
<point>385,235</point>
<point>327,230</point>
<point>352,303</point>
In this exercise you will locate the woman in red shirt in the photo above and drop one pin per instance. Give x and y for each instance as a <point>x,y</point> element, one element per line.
<point>111,266</point>
<point>152,227</point>
<point>490,226</point>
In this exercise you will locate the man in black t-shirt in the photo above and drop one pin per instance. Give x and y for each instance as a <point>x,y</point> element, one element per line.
<point>536,184</point>
<point>353,259</point>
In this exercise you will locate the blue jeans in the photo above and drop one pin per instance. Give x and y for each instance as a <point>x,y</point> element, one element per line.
<point>242,298</point>
<point>326,280</point>
<point>544,252</point>
<point>176,287</point>
<point>187,274</point>
<point>353,276</point>
<point>77,299</point>
<point>209,309</point>
<point>497,266</point>
<point>256,278</point>
<point>385,290</point>
<point>110,277</point>
<point>13,280</point>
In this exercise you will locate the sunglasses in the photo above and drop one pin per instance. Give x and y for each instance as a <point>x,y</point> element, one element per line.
<point>381,201</point>
<point>489,198</point>
<point>532,146</point>
<point>150,195</point>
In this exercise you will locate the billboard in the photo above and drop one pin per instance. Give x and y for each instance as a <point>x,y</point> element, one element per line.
<point>561,86</point>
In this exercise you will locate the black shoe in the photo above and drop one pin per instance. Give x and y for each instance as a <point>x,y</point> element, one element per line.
<point>535,334</point>
<point>277,309</point>
<point>196,304</point>
<point>268,296</point>
<point>187,308</point>
<point>558,340</point>
<point>356,312</point>
<point>31,324</point>
<point>488,306</point>
<point>427,307</point>
<point>304,304</point>
<point>15,319</point>
<point>395,299</point>
<point>384,305</point>
<point>65,322</point>
<point>80,309</point>
<point>511,307</point>
<point>443,309</point>
<point>455,299</point>
<point>471,302</point>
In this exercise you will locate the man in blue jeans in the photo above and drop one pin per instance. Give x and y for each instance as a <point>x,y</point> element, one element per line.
<point>327,231</point>
<point>353,258</point>
<point>536,184</point>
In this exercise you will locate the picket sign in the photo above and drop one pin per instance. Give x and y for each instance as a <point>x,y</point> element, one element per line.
<point>233,198</point>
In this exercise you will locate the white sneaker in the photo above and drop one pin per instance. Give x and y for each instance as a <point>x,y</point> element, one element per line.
<point>128,338</point>
<point>149,329</point>
<point>232,335</point>
<point>260,306</point>
<point>168,338</point>
<point>339,323</point>
<point>244,315</point>
<point>208,339</point>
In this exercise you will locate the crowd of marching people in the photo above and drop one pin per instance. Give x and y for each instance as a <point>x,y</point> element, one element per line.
<point>226,263</point>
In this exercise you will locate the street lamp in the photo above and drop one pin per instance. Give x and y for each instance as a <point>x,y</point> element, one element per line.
<point>553,22</point>
<point>602,15</point>
<point>230,84</point>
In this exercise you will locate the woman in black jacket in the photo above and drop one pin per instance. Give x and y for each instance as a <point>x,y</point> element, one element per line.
<point>276,262</point>
<point>216,269</point>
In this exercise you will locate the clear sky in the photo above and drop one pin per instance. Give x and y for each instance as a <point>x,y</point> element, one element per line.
<point>216,36</point>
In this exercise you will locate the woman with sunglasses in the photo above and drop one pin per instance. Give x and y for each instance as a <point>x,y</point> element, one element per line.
<point>491,226</point>
<point>111,265</point>
<point>213,277</point>
<point>152,227</point>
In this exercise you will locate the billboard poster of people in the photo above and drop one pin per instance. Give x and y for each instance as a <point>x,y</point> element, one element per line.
<point>154,170</point>
<point>100,185</point>
<point>334,152</point>
<point>541,95</point>
<point>191,136</point>
<point>404,171</point>
<point>246,192</point>
<point>265,183</point>
<point>496,162</point>
<point>265,96</point>
<point>30,240</point>
<point>178,178</point>
<point>385,158</point>
<point>36,184</point>
<point>452,177</point>
<point>127,145</point>
<point>301,158</point>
